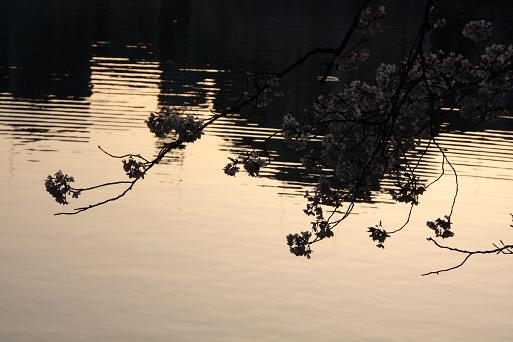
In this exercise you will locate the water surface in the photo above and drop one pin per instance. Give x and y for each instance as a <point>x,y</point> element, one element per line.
<point>194,255</point>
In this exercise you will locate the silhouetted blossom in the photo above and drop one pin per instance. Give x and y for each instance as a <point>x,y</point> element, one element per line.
<point>351,60</point>
<point>477,30</point>
<point>436,18</point>
<point>263,87</point>
<point>133,168</point>
<point>378,234</point>
<point>231,169</point>
<point>408,190</point>
<point>441,227</point>
<point>439,23</point>
<point>59,187</point>
<point>295,135</point>
<point>168,121</point>
<point>371,19</point>
<point>252,164</point>
<point>299,244</point>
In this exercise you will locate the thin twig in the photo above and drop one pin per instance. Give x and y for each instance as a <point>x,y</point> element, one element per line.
<point>497,250</point>
<point>123,156</point>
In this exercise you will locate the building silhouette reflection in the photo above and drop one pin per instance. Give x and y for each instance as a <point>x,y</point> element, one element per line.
<point>48,49</point>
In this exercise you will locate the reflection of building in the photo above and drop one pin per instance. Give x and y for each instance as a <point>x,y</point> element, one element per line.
<point>55,51</point>
<point>45,48</point>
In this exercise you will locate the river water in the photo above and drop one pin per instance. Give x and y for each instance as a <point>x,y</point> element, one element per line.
<point>191,254</point>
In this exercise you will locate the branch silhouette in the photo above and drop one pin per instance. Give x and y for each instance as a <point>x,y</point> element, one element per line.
<point>504,249</point>
<point>354,138</point>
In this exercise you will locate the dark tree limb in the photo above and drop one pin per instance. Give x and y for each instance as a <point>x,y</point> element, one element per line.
<point>504,249</point>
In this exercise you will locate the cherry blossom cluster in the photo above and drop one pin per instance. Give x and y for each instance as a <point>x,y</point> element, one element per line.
<point>367,129</point>
<point>231,168</point>
<point>441,227</point>
<point>296,135</point>
<point>59,186</point>
<point>299,244</point>
<point>133,168</point>
<point>371,19</point>
<point>262,87</point>
<point>188,128</point>
<point>252,163</point>
<point>477,30</point>
<point>440,22</point>
<point>407,189</point>
<point>352,59</point>
<point>378,234</point>
<point>436,19</point>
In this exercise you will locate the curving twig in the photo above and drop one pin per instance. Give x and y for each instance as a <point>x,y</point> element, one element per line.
<point>505,249</point>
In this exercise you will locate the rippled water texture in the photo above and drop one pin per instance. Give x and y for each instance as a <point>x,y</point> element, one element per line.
<point>191,254</point>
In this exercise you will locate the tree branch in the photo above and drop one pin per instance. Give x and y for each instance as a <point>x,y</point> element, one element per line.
<point>505,249</point>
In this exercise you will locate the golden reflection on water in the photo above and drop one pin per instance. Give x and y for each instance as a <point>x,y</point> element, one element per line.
<point>193,255</point>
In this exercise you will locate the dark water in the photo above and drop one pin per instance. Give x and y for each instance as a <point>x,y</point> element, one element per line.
<point>55,55</point>
<point>193,255</point>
